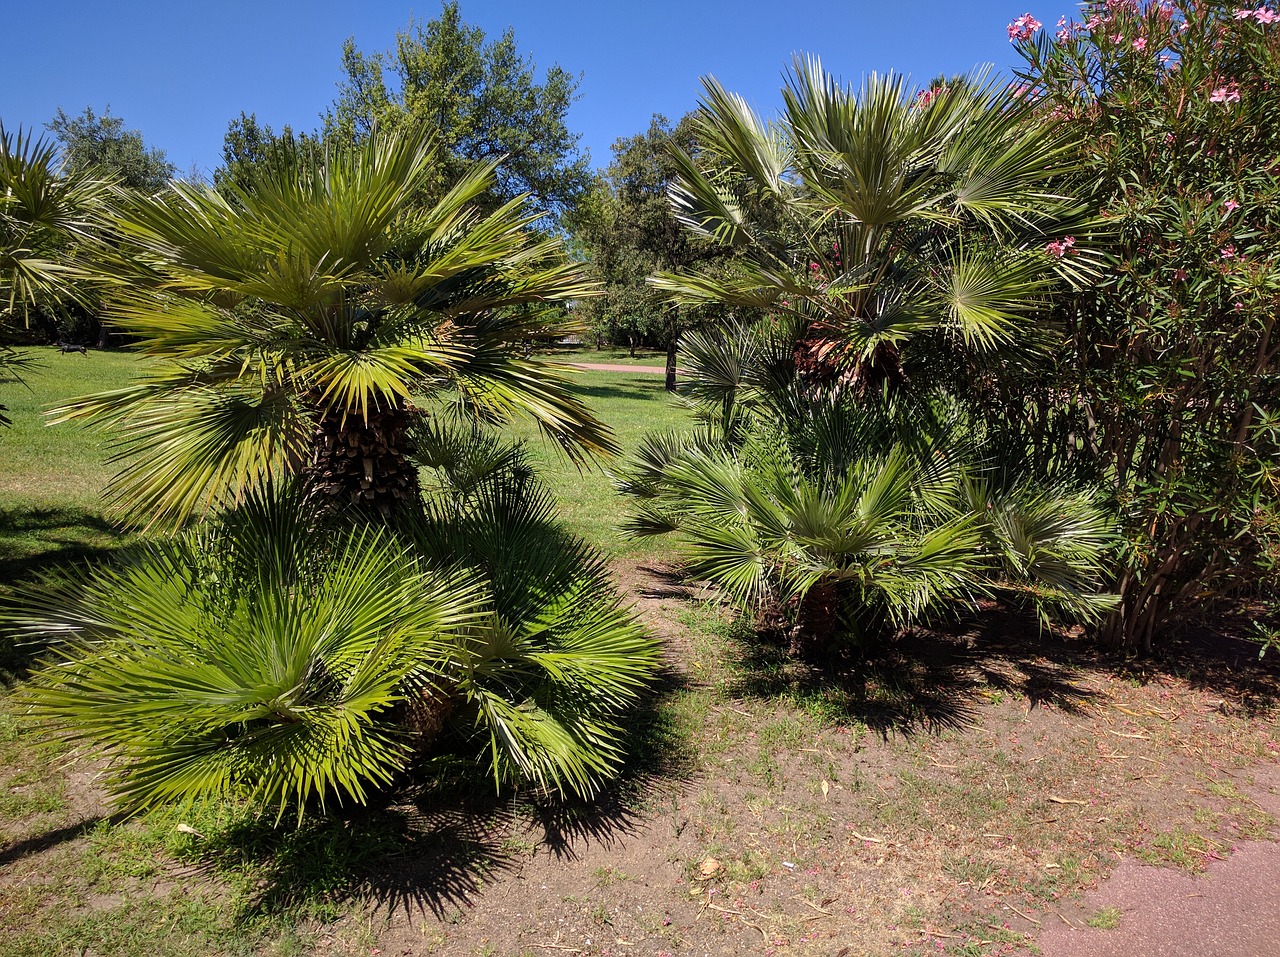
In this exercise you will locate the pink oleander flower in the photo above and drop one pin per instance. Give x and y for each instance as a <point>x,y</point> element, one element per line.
<point>1140,44</point>
<point>1062,247</point>
<point>1226,94</point>
<point>1023,27</point>
<point>1169,139</point>
<point>1179,275</point>
<point>1064,36</point>
<point>925,97</point>
<point>1231,206</point>
<point>1117,38</point>
<point>1264,16</point>
<point>1228,251</point>
<point>1243,14</point>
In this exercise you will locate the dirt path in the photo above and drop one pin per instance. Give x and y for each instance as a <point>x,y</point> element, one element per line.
<point>1162,912</point>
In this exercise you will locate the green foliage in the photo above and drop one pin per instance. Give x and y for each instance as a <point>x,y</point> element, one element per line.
<point>545,673</point>
<point>852,521</point>
<point>90,141</point>
<point>296,665</point>
<point>47,216</point>
<point>627,229</point>
<point>897,244</point>
<point>480,99</point>
<point>260,659</point>
<point>294,323</point>
<point>1167,386</point>
<point>903,234</point>
<point>253,151</point>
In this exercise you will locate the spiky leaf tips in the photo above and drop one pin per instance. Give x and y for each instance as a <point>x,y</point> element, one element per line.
<point>265,659</point>
<point>903,234</point>
<point>300,666</point>
<point>292,323</point>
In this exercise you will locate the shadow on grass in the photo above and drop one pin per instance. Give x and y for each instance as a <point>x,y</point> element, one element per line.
<point>434,844</point>
<point>621,390</point>
<point>896,691</point>
<point>35,542</point>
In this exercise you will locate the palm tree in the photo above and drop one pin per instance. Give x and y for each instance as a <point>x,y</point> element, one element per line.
<point>847,522</point>
<point>46,214</point>
<point>294,327</point>
<point>899,233</point>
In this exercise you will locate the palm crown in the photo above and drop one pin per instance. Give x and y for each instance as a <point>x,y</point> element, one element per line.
<point>296,323</point>
<point>876,219</point>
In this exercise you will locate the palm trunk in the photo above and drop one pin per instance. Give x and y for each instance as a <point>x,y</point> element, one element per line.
<point>813,638</point>
<point>363,463</point>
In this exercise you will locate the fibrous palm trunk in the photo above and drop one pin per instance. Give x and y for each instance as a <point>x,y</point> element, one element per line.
<point>362,461</point>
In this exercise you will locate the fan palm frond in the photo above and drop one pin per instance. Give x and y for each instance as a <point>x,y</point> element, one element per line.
<point>263,663</point>
<point>311,311</point>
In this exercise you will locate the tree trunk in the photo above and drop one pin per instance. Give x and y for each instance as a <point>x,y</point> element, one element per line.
<point>817,619</point>
<point>631,346</point>
<point>104,333</point>
<point>672,344</point>
<point>363,463</point>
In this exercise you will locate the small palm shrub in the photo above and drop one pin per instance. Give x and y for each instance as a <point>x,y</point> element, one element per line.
<point>544,674</point>
<point>297,665</point>
<point>848,522</point>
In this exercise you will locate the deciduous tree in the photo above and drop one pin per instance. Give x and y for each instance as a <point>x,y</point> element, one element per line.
<point>91,139</point>
<point>481,98</point>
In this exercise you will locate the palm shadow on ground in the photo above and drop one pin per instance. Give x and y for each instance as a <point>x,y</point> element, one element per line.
<point>431,845</point>
<point>35,542</point>
<point>930,681</point>
<point>640,391</point>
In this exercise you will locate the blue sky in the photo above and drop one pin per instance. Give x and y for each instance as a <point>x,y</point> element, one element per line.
<point>179,71</point>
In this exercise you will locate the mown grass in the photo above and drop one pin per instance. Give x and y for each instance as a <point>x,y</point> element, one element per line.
<point>52,477</point>
<point>632,404</point>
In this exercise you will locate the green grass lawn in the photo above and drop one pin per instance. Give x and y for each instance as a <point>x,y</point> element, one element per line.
<point>52,477</point>
<point>632,405</point>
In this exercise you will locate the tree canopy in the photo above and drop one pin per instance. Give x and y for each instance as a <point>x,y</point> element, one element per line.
<point>481,98</point>
<point>90,139</point>
<point>627,229</point>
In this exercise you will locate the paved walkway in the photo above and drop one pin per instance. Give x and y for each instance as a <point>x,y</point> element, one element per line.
<point>1233,910</point>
